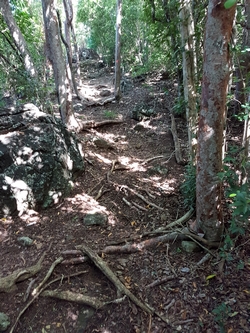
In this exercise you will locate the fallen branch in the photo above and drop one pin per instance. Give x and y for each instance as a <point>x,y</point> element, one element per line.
<point>8,283</point>
<point>120,287</point>
<point>93,124</point>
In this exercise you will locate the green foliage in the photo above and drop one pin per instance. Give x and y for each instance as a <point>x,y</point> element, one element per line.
<point>238,196</point>
<point>221,314</point>
<point>179,108</point>
<point>109,114</point>
<point>229,3</point>
<point>13,77</point>
<point>188,187</point>
<point>99,17</point>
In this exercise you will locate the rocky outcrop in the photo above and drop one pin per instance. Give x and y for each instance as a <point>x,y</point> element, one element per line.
<point>39,159</point>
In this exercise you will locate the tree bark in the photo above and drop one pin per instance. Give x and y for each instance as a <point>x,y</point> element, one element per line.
<point>216,69</point>
<point>118,50</point>
<point>55,54</point>
<point>17,37</point>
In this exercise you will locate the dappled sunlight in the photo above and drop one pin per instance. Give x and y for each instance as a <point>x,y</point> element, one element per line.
<point>86,204</point>
<point>101,158</point>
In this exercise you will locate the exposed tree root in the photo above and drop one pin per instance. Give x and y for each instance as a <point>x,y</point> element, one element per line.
<point>70,296</point>
<point>8,283</point>
<point>35,297</point>
<point>138,247</point>
<point>160,230</point>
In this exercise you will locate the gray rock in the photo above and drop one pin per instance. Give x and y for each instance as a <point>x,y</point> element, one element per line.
<point>25,241</point>
<point>4,322</point>
<point>190,246</point>
<point>39,159</point>
<point>101,143</point>
<point>95,219</point>
<point>105,93</point>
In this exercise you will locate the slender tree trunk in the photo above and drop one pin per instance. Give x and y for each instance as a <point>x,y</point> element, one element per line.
<point>216,69</point>
<point>246,71</point>
<point>17,37</point>
<point>189,70</point>
<point>243,66</point>
<point>55,53</point>
<point>118,50</point>
<point>69,21</point>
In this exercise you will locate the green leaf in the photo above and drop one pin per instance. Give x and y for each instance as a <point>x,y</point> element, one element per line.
<point>229,3</point>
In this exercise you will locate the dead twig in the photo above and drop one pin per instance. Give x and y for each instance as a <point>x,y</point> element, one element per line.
<point>158,282</point>
<point>75,261</point>
<point>50,271</point>
<point>143,198</point>
<point>138,206</point>
<point>27,293</point>
<point>152,159</point>
<point>206,257</point>
<point>180,221</point>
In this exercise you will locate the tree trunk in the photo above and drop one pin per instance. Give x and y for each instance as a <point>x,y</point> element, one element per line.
<point>69,21</point>
<point>17,37</point>
<point>216,69</point>
<point>118,50</point>
<point>55,54</point>
<point>246,71</point>
<point>243,67</point>
<point>189,69</point>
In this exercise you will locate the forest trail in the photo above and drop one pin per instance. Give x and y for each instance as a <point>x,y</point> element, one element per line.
<point>131,184</point>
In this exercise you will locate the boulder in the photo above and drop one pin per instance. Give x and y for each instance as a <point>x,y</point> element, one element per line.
<point>39,159</point>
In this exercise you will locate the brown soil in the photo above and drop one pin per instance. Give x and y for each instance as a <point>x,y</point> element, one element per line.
<point>189,297</point>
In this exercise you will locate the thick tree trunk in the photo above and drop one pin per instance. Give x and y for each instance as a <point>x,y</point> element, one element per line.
<point>189,69</point>
<point>216,69</point>
<point>54,48</point>
<point>118,50</point>
<point>17,37</point>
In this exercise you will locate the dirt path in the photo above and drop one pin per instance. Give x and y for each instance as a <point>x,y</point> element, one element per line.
<point>122,161</point>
